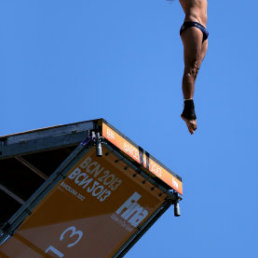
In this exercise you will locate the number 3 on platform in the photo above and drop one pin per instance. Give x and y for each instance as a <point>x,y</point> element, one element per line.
<point>73,233</point>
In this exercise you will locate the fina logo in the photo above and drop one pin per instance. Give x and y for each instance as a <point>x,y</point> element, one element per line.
<point>131,211</point>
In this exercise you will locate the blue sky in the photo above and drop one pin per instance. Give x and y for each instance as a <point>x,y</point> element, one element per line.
<point>66,61</point>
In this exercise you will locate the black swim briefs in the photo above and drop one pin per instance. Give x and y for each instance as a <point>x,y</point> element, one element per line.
<point>190,24</point>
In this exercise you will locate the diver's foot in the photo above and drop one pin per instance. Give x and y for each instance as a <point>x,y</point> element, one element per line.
<point>191,124</point>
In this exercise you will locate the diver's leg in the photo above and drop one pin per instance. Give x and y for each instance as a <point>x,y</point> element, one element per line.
<point>192,41</point>
<point>204,49</point>
<point>193,55</point>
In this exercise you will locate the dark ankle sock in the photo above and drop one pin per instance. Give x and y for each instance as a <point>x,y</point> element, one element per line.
<point>189,112</point>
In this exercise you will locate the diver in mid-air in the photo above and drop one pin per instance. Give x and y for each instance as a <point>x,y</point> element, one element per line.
<point>195,40</point>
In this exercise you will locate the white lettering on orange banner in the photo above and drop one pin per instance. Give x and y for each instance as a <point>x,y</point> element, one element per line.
<point>131,211</point>
<point>110,134</point>
<point>95,179</point>
<point>134,153</point>
<point>175,183</point>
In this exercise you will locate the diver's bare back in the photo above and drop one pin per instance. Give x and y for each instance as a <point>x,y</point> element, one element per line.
<point>195,10</point>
